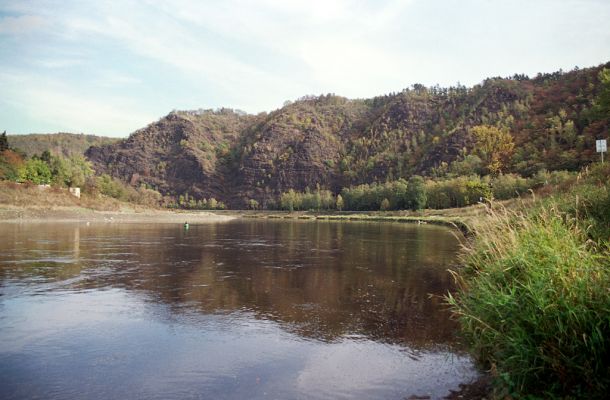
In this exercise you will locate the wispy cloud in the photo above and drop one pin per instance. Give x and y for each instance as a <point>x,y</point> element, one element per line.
<point>151,56</point>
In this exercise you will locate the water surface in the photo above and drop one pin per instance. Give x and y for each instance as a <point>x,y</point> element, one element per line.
<point>249,309</point>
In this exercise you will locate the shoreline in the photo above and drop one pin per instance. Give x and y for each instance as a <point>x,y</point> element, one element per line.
<point>65,214</point>
<point>59,214</point>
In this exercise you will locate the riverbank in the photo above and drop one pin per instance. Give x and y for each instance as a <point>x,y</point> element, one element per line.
<point>462,219</point>
<point>14,214</point>
<point>31,203</point>
<point>533,300</point>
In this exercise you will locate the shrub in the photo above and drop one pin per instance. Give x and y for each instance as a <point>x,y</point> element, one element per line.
<point>507,186</point>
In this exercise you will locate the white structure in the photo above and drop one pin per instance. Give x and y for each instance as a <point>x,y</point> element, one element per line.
<point>75,191</point>
<point>602,147</point>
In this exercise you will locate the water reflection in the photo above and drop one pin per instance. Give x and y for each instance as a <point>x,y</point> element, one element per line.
<point>290,308</point>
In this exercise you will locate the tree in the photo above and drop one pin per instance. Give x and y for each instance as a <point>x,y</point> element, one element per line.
<point>493,145</point>
<point>385,205</point>
<point>3,142</point>
<point>602,102</point>
<point>11,164</point>
<point>416,197</point>
<point>340,203</point>
<point>36,171</point>
<point>253,204</point>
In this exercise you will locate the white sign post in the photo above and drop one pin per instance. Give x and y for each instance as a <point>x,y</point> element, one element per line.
<point>602,147</point>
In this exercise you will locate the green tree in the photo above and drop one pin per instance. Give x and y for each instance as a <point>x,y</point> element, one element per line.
<point>416,197</point>
<point>253,204</point>
<point>602,102</point>
<point>493,145</point>
<point>36,171</point>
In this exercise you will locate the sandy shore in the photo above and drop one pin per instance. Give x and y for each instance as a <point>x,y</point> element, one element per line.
<point>14,214</point>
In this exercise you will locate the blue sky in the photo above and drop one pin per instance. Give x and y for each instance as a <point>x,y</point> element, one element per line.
<point>111,67</point>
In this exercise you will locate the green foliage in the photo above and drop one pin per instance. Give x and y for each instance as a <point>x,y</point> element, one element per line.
<point>385,205</point>
<point>369,197</point>
<point>507,186</point>
<point>493,145</point>
<point>70,172</point>
<point>339,204</point>
<point>602,102</point>
<point>253,204</point>
<point>36,171</point>
<point>471,164</point>
<point>318,200</point>
<point>416,197</point>
<point>457,192</point>
<point>113,187</point>
<point>534,298</point>
<point>536,306</point>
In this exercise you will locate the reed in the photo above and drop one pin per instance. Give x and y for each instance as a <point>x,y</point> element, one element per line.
<point>534,301</point>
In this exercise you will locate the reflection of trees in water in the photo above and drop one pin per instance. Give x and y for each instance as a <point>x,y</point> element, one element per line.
<point>318,279</point>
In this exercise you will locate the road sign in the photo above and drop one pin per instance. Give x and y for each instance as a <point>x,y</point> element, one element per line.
<point>602,147</point>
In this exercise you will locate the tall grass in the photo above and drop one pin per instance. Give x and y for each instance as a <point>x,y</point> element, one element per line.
<point>535,304</point>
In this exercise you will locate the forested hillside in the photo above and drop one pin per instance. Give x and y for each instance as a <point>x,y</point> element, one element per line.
<point>61,144</point>
<point>504,125</point>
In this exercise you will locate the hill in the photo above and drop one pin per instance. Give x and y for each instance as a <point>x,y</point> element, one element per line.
<point>331,142</point>
<point>65,144</point>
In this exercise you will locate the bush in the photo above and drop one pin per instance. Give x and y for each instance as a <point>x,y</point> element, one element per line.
<point>535,305</point>
<point>507,186</point>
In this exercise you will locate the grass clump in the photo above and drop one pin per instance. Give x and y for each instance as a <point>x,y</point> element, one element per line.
<point>535,305</point>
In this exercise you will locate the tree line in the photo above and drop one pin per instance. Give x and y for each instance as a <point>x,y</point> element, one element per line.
<point>418,193</point>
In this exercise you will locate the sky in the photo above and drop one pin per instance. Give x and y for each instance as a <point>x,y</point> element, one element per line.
<point>111,67</point>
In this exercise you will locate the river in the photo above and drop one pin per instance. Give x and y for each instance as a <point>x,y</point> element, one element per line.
<point>247,309</point>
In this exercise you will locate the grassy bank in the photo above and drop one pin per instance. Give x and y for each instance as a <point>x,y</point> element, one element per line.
<point>460,218</point>
<point>534,302</point>
<point>31,203</point>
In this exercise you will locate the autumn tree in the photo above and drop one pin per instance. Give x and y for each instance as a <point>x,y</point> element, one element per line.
<point>11,165</point>
<point>494,146</point>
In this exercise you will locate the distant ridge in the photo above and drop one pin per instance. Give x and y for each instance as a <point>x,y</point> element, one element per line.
<point>66,144</point>
<point>332,142</point>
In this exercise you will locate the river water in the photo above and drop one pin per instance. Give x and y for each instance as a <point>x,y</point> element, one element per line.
<point>247,309</point>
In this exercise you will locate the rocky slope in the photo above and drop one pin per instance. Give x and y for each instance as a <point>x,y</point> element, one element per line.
<point>331,142</point>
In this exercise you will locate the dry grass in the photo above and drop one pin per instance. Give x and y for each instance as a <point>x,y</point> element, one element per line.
<point>27,196</point>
